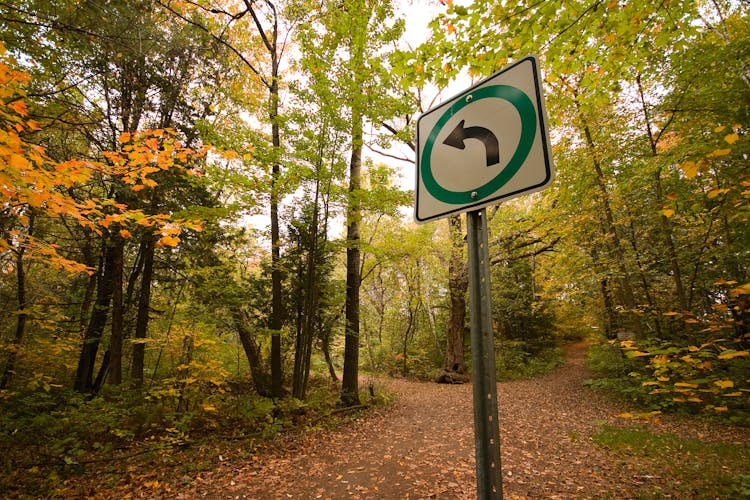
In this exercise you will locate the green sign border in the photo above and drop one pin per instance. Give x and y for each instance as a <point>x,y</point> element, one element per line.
<point>527,112</point>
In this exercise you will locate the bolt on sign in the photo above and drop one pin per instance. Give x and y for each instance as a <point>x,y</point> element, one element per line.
<point>489,143</point>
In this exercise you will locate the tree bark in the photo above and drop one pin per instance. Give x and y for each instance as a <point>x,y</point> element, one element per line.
<point>116,340</point>
<point>261,379</point>
<point>22,315</point>
<point>144,305</point>
<point>454,363</point>
<point>309,308</point>
<point>92,337</point>
<point>276,299</point>
<point>350,381</point>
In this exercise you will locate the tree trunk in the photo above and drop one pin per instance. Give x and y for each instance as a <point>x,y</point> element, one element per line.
<point>350,382</point>
<point>309,309</point>
<point>454,363</point>
<point>326,340</point>
<point>664,221</point>
<point>22,315</point>
<point>115,342</point>
<point>144,305</point>
<point>276,299</point>
<point>261,380</point>
<point>92,337</point>
<point>628,298</point>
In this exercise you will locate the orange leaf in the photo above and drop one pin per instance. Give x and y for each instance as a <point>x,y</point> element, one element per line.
<point>18,162</point>
<point>19,107</point>
<point>171,241</point>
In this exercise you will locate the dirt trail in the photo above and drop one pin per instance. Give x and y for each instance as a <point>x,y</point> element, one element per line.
<point>423,447</point>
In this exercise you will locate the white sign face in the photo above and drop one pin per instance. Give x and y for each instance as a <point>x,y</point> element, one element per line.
<point>487,144</point>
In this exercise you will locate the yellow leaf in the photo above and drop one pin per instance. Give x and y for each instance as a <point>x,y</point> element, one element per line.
<point>124,137</point>
<point>686,385</point>
<point>724,384</point>
<point>625,415</point>
<point>695,399</point>
<point>671,196</point>
<point>733,354</point>
<point>693,348</point>
<point>646,384</point>
<point>741,290</point>
<point>733,394</point>
<point>667,212</point>
<point>731,138</point>
<point>719,152</point>
<point>33,125</point>
<point>690,169</point>
<point>720,408</point>
<point>125,233</point>
<point>660,359</point>
<point>720,128</point>
<point>662,379</point>
<point>637,354</point>
<point>716,192</point>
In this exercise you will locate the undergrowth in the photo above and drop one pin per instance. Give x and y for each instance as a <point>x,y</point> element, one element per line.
<point>49,437</point>
<point>673,386</point>
<point>515,361</point>
<point>695,468</point>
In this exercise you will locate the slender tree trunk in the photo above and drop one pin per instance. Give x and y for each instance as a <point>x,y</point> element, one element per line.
<point>664,222</point>
<point>327,355</point>
<point>116,340</point>
<point>616,246</point>
<point>22,315</point>
<point>276,299</point>
<point>144,305</point>
<point>92,337</point>
<point>309,308</point>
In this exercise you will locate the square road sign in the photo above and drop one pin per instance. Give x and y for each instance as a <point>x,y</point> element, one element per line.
<point>487,144</point>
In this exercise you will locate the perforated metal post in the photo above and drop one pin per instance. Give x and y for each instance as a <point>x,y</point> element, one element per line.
<point>486,424</point>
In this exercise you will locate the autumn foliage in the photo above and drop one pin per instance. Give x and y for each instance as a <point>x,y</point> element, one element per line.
<point>32,182</point>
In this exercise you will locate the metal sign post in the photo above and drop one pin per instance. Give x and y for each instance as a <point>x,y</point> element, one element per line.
<point>486,424</point>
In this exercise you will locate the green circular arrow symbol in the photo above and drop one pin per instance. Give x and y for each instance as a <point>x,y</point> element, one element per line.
<point>525,109</point>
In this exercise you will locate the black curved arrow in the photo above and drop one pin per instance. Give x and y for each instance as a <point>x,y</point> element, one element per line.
<point>460,134</point>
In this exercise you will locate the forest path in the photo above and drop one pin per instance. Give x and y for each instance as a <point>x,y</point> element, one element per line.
<point>423,447</point>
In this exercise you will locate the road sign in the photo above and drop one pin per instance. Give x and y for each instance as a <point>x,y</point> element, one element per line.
<point>487,144</point>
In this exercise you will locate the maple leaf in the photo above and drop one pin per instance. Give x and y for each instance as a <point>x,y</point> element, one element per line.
<point>171,241</point>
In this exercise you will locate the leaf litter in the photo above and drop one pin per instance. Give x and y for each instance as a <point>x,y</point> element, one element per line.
<point>422,446</point>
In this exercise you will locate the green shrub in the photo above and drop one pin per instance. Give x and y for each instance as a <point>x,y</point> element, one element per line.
<point>514,359</point>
